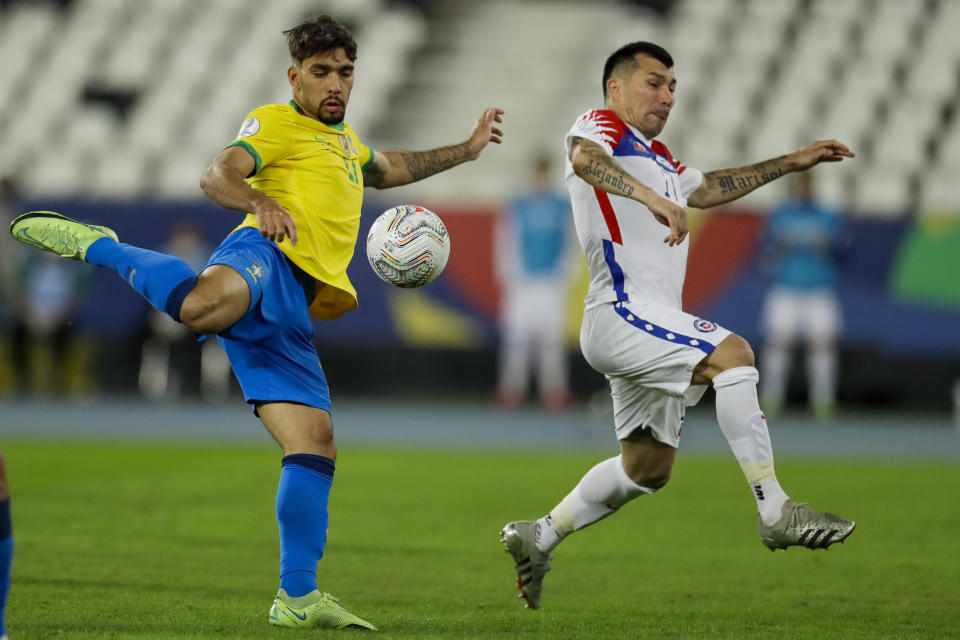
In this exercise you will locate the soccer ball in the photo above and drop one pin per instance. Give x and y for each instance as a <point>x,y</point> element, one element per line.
<point>408,246</point>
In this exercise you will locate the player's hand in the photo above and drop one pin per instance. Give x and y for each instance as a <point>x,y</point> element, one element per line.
<point>274,221</point>
<point>672,215</point>
<point>820,151</point>
<point>485,131</point>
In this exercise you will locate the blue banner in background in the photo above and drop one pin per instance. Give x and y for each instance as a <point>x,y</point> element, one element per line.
<point>887,261</point>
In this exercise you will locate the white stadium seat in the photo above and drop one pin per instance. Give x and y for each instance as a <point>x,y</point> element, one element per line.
<point>196,68</point>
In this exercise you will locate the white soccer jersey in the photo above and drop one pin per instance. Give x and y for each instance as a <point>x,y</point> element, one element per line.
<point>623,242</point>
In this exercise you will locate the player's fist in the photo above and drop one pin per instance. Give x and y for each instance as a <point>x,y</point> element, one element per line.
<point>274,222</point>
<point>672,215</point>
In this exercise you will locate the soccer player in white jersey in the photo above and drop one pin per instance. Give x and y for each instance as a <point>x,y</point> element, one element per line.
<point>628,196</point>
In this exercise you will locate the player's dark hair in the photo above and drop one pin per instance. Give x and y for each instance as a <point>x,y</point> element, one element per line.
<point>627,54</point>
<point>319,34</point>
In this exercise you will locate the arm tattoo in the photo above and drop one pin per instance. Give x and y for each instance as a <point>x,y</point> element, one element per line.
<point>601,171</point>
<point>733,183</point>
<point>608,172</point>
<point>373,175</point>
<point>421,164</point>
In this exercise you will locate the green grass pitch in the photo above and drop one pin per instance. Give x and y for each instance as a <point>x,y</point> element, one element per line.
<point>167,540</point>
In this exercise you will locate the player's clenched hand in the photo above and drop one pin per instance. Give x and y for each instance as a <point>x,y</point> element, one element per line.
<point>820,151</point>
<point>672,215</point>
<point>274,221</point>
<point>485,131</point>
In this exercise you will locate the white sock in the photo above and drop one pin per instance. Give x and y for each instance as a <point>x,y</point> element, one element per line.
<point>601,491</point>
<point>770,498</point>
<point>745,428</point>
<point>822,374</point>
<point>775,361</point>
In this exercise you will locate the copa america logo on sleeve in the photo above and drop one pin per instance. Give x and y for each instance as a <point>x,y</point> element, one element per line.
<point>704,326</point>
<point>249,127</point>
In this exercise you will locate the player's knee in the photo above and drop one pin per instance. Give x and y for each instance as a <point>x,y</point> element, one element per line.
<point>312,444</point>
<point>324,445</point>
<point>202,313</point>
<point>737,353</point>
<point>318,438</point>
<point>650,475</point>
<point>654,479</point>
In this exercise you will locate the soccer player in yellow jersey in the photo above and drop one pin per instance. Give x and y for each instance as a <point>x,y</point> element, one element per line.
<point>298,172</point>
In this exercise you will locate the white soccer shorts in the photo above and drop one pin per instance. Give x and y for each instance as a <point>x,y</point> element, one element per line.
<point>813,315</point>
<point>648,353</point>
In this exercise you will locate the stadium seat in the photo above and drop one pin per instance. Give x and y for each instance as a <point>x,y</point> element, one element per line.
<point>120,174</point>
<point>771,75</point>
<point>883,191</point>
<point>940,192</point>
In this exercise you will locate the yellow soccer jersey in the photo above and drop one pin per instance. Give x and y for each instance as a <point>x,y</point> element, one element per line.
<point>314,171</point>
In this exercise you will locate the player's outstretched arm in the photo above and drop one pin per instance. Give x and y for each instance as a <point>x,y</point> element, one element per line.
<point>725,185</point>
<point>598,169</point>
<point>224,182</point>
<point>394,168</point>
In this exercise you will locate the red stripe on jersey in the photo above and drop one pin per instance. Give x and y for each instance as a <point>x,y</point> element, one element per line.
<point>609,216</point>
<point>610,126</point>
<point>661,149</point>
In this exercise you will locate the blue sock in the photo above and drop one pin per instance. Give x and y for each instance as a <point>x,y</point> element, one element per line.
<point>302,515</point>
<point>163,280</point>
<point>6,559</point>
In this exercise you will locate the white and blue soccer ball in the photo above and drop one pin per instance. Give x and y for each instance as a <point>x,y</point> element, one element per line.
<point>408,246</point>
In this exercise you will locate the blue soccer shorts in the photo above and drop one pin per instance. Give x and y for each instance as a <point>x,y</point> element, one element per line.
<point>271,347</point>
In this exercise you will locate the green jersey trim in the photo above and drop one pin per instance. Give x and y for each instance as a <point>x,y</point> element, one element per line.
<point>338,127</point>
<point>253,152</point>
<point>367,163</point>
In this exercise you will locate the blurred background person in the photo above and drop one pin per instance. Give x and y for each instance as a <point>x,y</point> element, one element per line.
<point>532,260</point>
<point>39,300</point>
<point>8,260</point>
<point>47,356</point>
<point>803,239</point>
<point>170,351</point>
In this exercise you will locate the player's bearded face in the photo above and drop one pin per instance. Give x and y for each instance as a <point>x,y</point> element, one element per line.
<point>322,84</point>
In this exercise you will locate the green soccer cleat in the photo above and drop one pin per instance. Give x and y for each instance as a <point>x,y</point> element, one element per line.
<point>532,564</point>
<point>315,610</point>
<point>801,526</point>
<point>56,233</point>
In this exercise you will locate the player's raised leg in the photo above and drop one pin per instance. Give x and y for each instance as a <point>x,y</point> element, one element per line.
<point>163,280</point>
<point>306,436</point>
<point>207,304</point>
<point>643,467</point>
<point>6,547</point>
<point>781,522</point>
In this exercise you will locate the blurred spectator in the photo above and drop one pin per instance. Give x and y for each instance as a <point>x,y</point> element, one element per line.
<point>8,261</point>
<point>803,238</point>
<point>532,251</point>
<point>39,297</point>
<point>170,349</point>
<point>48,294</point>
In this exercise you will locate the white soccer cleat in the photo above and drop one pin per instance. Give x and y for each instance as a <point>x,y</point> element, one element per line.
<point>801,526</point>
<point>532,564</point>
